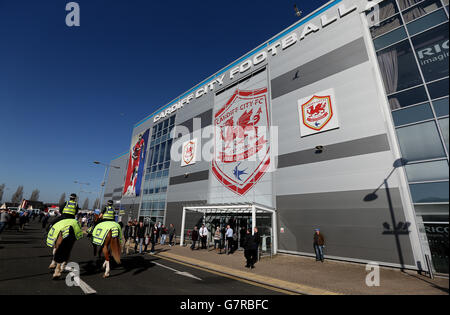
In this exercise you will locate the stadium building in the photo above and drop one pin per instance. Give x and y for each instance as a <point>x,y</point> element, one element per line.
<point>339,122</point>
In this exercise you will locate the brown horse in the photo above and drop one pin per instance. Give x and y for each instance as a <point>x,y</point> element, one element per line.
<point>111,247</point>
<point>61,253</point>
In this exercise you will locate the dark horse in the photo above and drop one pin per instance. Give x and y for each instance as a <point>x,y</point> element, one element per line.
<point>61,252</point>
<point>111,247</point>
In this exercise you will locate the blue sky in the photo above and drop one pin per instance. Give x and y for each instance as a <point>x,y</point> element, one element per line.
<point>69,96</point>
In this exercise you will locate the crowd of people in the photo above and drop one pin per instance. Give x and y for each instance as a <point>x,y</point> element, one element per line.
<point>144,236</point>
<point>10,219</point>
<point>227,239</point>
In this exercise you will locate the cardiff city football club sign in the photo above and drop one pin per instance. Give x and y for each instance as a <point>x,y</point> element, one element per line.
<point>242,148</point>
<point>318,113</point>
<point>189,153</point>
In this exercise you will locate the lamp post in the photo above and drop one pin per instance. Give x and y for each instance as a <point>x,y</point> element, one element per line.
<point>81,188</point>
<point>102,185</point>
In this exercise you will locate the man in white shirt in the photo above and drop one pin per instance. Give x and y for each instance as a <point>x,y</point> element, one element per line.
<point>203,235</point>
<point>229,237</point>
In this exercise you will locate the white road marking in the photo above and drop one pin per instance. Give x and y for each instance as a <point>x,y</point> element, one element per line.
<point>83,285</point>
<point>181,273</point>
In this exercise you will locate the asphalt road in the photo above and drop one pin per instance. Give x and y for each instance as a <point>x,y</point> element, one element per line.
<point>24,261</point>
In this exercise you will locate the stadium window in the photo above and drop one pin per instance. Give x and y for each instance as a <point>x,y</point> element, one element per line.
<point>408,97</point>
<point>420,142</point>
<point>398,67</point>
<point>432,49</point>
<point>412,114</point>
<point>441,107</point>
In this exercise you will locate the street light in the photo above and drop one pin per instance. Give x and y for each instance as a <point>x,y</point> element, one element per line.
<point>102,185</point>
<point>81,187</point>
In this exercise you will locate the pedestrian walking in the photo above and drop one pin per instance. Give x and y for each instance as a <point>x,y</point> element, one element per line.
<point>127,236</point>
<point>172,232</point>
<point>229,237</point>
<point>319,244</point>
<point>194,237</point>
<point>203,235</point>
<point>251,245</point>
<point>140,234</point>
<point>153,240</point>
<point>4,218</point>
<point>242,236</point>
<point>217,238</point>
<point>146,242</point>
<point>163,232</point>
<point>22,221</point>
<point>155,227</point>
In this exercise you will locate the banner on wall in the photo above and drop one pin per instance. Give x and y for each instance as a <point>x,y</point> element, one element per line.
<point>242,146</point>
<point>135,169</point>
<point>189,155</point>
<point>318,113</point>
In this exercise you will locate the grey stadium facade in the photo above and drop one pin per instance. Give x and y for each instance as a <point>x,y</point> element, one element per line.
<point>374,179</point>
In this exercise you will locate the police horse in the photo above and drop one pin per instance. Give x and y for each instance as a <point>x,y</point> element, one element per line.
<point>108,236</point>
<point>61,237</point>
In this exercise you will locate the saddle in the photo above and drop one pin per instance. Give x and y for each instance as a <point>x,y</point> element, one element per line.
<point>102,229</point>
<point>63,227</point>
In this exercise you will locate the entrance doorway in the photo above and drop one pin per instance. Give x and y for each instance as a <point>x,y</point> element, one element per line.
<point>239,218</point>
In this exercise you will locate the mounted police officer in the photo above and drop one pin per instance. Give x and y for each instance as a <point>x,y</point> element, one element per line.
<point>108,214</point>
<point>69,210</point>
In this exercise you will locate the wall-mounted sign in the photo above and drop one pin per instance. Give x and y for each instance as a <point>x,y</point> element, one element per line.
<point>189,154</point>
<point>135,169</point>
<point>318,113</point>
<point>242,148</point>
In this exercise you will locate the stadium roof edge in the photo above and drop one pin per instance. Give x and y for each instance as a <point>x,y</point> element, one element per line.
<point>119,156</point>
<point>286,31</point>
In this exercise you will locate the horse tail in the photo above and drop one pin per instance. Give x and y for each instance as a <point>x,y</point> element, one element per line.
<point>115,249</point>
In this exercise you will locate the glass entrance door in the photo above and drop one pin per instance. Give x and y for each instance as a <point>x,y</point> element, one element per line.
<point>437,234</point>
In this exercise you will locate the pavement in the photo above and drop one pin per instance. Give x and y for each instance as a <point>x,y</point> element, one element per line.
<point>304,275</point>
<point>24,261</point>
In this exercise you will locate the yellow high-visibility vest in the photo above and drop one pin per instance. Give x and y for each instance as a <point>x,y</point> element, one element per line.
<point>109,213</point>
<point>70,208</point>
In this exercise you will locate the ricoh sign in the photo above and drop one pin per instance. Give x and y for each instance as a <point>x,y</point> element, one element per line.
<point>272,49</point>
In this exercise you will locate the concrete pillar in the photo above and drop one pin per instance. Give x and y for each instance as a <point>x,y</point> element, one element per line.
<point>183,223</point>
<point>253,219</point>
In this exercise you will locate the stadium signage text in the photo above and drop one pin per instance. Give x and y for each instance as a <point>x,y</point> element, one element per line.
<point>272,50</point>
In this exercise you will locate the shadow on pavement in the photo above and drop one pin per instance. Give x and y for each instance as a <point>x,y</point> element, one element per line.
<point>136,264</point>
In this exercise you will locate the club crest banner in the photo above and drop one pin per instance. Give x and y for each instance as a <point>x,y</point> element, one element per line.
<point>242,146</point>
<point>318,113</point>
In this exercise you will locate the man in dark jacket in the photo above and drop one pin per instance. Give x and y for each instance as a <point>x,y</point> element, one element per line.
<point>194,237</point>
<point>172,232</point>
<point>319,243</point>
<point>251,245</point>
<point>140,234</point>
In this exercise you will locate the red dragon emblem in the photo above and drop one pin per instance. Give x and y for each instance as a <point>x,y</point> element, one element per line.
<point>317,112</point>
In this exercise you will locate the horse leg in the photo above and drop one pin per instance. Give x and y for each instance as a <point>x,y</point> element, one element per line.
<point>53,264</point>
<point>62,253</point>
<point>106,264</point>
<point>55,249</point>
<point>57,272</point>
